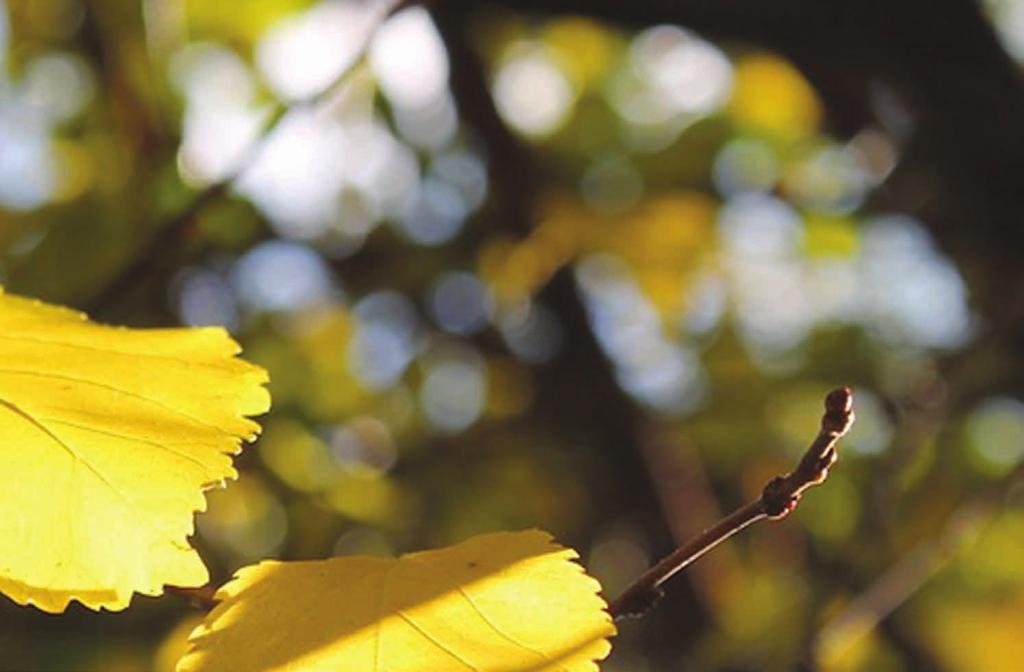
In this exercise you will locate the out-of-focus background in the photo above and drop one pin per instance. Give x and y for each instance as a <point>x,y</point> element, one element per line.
<point>584,266</point>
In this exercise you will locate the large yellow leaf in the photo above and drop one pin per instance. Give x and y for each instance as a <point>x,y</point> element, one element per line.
<point>108,436</point>
<point>510,602</point>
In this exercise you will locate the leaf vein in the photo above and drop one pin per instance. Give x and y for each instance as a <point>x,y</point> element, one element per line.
<point>126,437</point>
<point>433,640</point>
<point>110,351</point>
<point>28,417</point>
<point>116,390</point>
<point>378,634</point>
<point>501,633</point>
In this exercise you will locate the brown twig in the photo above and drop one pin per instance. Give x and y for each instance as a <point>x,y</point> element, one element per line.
<point>779,497</point>
<point>688,503</point>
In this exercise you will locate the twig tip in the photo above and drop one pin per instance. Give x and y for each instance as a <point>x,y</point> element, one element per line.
<point>838,411</point>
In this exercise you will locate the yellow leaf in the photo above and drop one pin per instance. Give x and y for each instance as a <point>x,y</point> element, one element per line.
<point>108,436</point>
<point>175,644</point>
<point>510,601</point>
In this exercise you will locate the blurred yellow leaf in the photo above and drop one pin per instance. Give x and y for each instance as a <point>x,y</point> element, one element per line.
<point>108,436</point>
<point>667,231</point>
<point>662,238</point>
<point>584,47</point>
<point>227,20</point>
<point>978,634</point>
<point>830,236</point>
<point>327,388</point>
<point>510,601</point>
<point>664,241</point>
<point>297,456</point>
<point>367,496</point>
<point>770,96</point>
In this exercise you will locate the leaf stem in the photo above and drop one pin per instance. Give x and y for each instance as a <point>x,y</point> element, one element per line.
<point>779,497</point>
<point>201,597</point>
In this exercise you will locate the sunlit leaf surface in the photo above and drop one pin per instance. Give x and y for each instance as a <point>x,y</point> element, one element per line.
<point>108,437</point>
<point>508,601</point>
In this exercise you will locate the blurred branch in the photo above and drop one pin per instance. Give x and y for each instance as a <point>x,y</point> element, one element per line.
<point>604,411</point>
<point>167,232</point>
<point>514,178</point>
<point>877,603</point>
<point>689,503</point>
<point>928,411</point>
<point>779,497</point>
<point>579,389</point>
<point>513,175</point>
